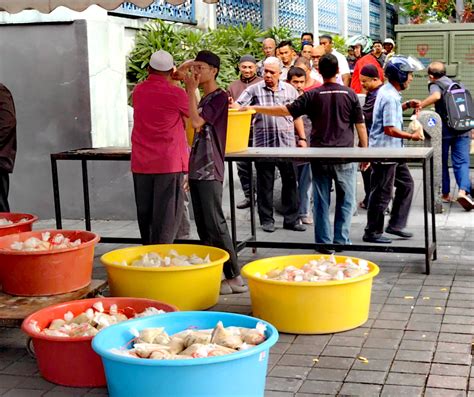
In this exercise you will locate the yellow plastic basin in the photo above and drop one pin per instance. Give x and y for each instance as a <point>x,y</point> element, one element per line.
<point>194,287</point>
<point>308,307</point>
<point>238,130</point>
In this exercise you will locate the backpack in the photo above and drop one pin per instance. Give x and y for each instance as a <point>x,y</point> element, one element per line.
<point>457,106</point>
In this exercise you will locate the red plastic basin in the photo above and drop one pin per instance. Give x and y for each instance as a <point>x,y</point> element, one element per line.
<point>71,361</point>
<point>17,227</point>
<point>51,272</point>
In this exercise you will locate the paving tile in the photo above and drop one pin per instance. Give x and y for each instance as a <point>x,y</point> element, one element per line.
<point>335,362</point>
<point>283,384</point>
<point>98,391</point>
<point>401,391</point>
<point>386,333</point>
<point>447,382</point>
<point>382,342</point>
<point>321,387</point>
<point>280,348</point>
<point>271,393</point>
<point>285,371</point>
<point>381,354</point>
<point>451,370</point>
<point>300,360</point>
<point>404,379</point>
<point>456,311</point>
<point>414,355</point>
<point>372,377</point>
<point>23,393</point>
<point>458,319</point>
<point>452,358</point>
<point>410,367</point>
<point>35,382</point>
<point>431,392</point>
<point>385,315</point>
<point>10,381</point>
<point>305,349</point>
<point>288,338</point>
<point>397,308</point>
<point>460,303</point>
<point>455,338</point>
<point>433,310</point>
<point>361,331</point>
<point>350,341</point>
<point>360,389</point>
<point>372,365</point>
<point>423,326</point>
<point>340,351</point>
<point>417,345</point>
<point>389,324</point>
<point>330,374</point>
<point>319,340</point>
<point>426,317</point>
<point>453,347</point>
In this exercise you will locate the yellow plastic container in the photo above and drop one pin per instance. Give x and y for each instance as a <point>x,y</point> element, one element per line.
<point>308,307</point>
<point>194,287</point>
<point>238,130</point>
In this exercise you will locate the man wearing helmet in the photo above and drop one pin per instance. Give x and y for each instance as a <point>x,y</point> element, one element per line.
<point>389,49</point>
<point>387,131</point>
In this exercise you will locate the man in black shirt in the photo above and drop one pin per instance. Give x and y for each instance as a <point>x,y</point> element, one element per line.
<point>7,144</point>
<point>334,110</point>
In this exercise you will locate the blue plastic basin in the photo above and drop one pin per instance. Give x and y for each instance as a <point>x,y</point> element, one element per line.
<point>238,374</point>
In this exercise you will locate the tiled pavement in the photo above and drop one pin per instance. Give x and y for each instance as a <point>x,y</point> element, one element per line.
<point>417,341</point>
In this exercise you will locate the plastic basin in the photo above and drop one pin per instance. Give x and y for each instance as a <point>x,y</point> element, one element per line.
<point>71,361</point>
<point>47,272</point>
<point>308,307</point>
<point>193,287</point>
<point>238,374</point>
<point>238,130</point>
<point>17,227</point>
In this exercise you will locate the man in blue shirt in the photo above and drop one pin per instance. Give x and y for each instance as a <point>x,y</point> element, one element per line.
<point>387,131</point>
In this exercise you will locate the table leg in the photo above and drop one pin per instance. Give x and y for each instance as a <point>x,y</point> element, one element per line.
<point>433,217</point>
<point>85,188</point>
<point>57,202</point>
<point>232,205</point>
<point>253,230</point>
<point>425,218</point>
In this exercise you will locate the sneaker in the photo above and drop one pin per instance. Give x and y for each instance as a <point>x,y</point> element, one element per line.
<point>296,227</point>
<point>368,238</point>
<point>268,227</point>
<point>466,202</point>
<point>306,220</point>
<point>245,203</point>
<point>325,251</point>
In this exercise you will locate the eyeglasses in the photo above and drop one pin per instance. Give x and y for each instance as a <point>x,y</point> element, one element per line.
<point>201,67</point>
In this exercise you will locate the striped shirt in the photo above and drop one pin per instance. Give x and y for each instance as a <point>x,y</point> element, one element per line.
<point>271,131</point>
<point>387,113</point>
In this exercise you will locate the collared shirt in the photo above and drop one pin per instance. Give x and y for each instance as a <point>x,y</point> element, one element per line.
<point>159,143</point>
<point>368,108</point>
<point>387,112</point>
<point>271,131</point>
<point>285,69</point>
<point>238,86</point>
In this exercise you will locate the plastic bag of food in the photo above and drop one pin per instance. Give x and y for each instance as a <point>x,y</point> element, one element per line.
<point>223,337</point>
<point>415,126</point>
<point>144,350</point>
<point>154,335</point>
<point>197,337</point>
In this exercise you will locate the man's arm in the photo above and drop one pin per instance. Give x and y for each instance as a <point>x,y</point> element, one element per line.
<point>281,110</point>
<point>299,130</point>
<point>430,100</point>
<point>346,79</point>
<point>398,133</point>
<point>7,115</point>
<point>362,133</point>
<point>192,82</point>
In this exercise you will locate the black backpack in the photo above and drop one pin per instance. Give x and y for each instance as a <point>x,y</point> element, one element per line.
<point>457,106</point>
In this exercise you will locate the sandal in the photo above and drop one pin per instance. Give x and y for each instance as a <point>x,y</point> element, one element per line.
<point>446,198</point>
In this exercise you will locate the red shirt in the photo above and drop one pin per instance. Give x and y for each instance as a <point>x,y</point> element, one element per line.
<point>315,85</point>
<point>159,143</point>
<point>368,59</point>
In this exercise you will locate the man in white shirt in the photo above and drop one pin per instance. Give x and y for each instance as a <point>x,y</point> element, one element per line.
<point>344,71</point>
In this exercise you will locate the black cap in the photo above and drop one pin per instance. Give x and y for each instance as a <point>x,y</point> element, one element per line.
<point>370,71</point>
<point>247,58</point>
<point>208,57</point>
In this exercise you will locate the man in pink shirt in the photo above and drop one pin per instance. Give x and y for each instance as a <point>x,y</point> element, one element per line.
<point>160,154</point>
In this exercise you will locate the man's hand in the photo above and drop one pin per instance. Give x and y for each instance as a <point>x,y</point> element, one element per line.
<point>244,108</point>
<point>417,136</point>
<point>186,183</point>
<point>302,143</point>
<point>233,104</point>
<point>191,81</point>
<point>183,69</point>
<point>414,104</point>
<point>364,166</point>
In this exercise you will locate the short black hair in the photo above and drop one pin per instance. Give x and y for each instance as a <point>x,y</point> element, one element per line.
<point>285,43</point>
<point>295,71</point>
<point>307,34</point>
<point>377,41</point>
<point>328,66</point>
<point>326,36</point>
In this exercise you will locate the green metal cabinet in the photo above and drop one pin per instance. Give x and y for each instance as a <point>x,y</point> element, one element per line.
<point>451,43</point>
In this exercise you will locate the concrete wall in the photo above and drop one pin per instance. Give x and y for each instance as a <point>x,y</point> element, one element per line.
<point>46,67</point>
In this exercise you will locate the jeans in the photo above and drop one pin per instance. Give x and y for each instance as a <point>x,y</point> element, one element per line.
<point>344,177</point>
<point>384,178</point>
<point>460,146</point>
<point>305,190</point>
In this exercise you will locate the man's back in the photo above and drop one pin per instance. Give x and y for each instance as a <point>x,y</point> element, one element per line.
<point>333,110</point>
<point>7,130</point>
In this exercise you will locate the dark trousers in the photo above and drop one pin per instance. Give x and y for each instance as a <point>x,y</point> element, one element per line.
<point>366,179</point>
<point>289,191</point>
<point>244,169</point>
<point>383,179</point>
<point>206,197</point>
<point>4,187</point>
<point>160,205</point>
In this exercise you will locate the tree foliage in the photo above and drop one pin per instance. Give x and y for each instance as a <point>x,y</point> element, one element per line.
<point>421,11</point>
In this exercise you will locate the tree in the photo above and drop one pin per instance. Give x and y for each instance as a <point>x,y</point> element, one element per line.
<point>420,11</point>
